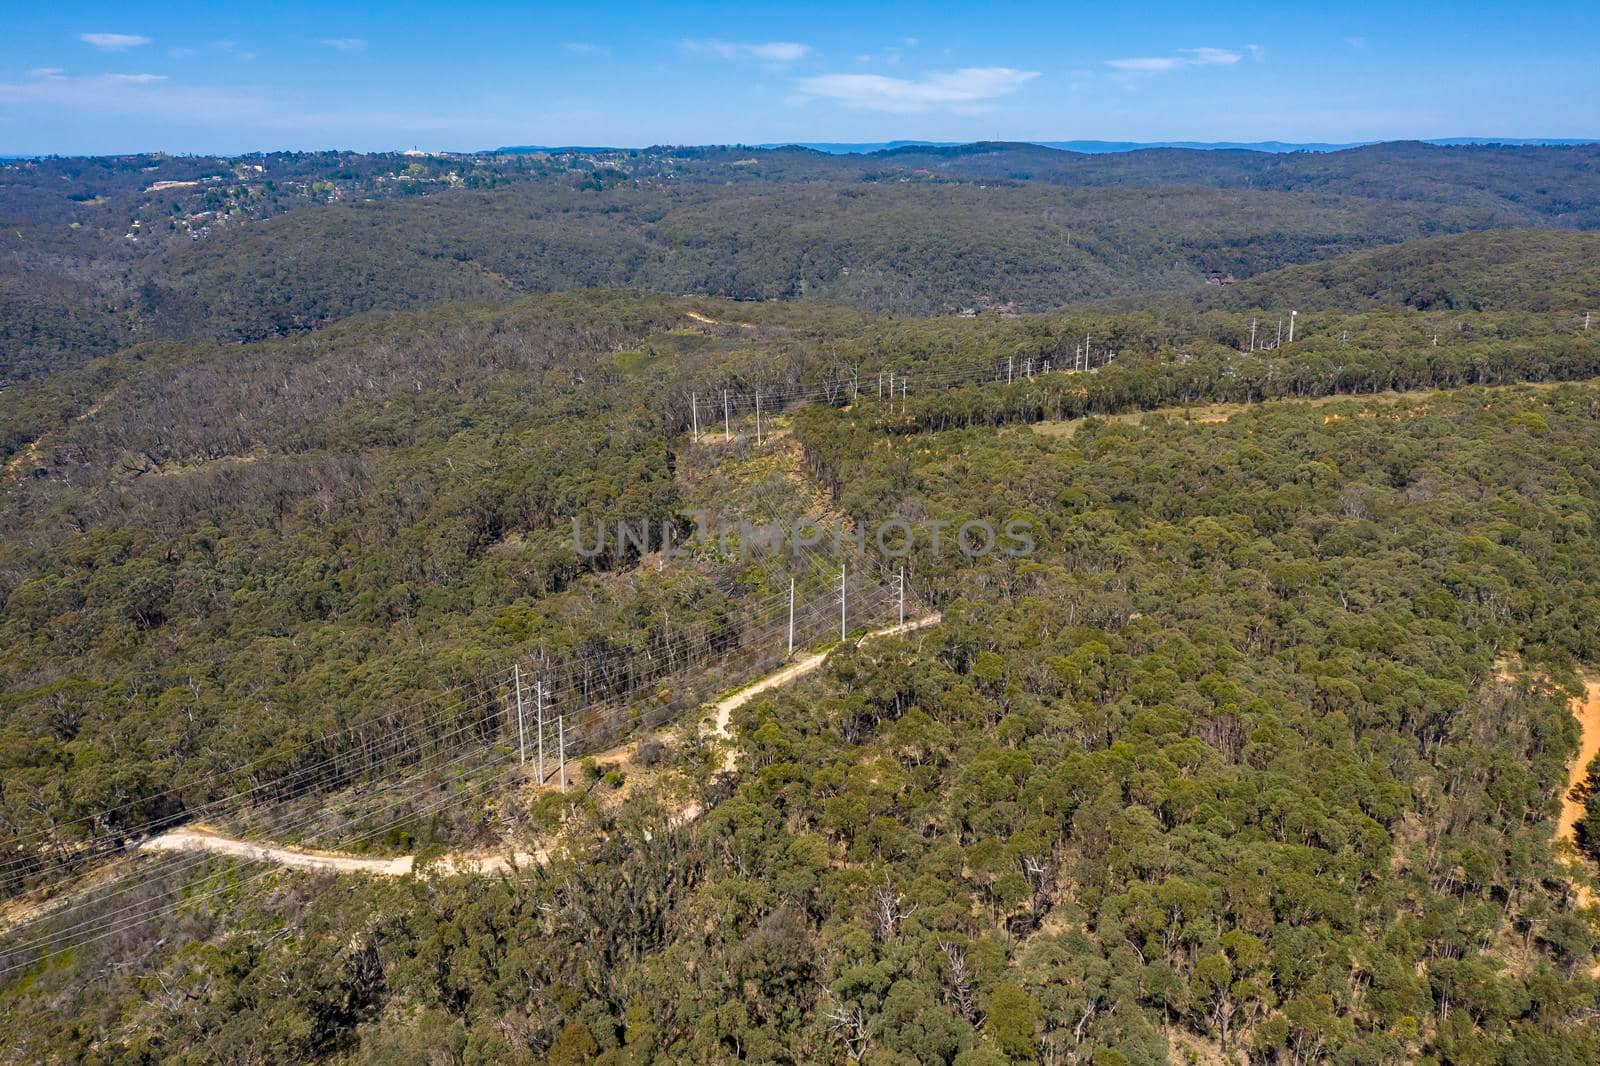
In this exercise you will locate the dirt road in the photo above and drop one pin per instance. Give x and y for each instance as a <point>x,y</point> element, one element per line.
<point>799,668</point>
<point>206,840</point>
<point>199,838</point>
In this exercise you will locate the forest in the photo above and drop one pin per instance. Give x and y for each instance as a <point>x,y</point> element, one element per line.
<point>1257,756</point>
<point>98,254</point>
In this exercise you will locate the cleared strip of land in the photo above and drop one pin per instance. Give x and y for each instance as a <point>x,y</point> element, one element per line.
<point>200,838</point>
<point>1216,413</point>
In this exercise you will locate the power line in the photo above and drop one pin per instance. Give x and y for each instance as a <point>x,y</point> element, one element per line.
<point>418,728</point>
<point>581,740</point>
<point>59,936</point>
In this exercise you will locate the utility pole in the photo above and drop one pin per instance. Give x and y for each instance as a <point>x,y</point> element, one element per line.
<point>694,406</point>
<point>522,736</point>
<point>1292,315</point>
<point>841,601</point>
<point>902,594</point>
<point>561,742</point>
<point>791,616</point>
<point>538,695</point>
<point>727,432</point>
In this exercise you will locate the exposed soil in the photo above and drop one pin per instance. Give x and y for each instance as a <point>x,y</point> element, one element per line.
<point>1587,711</point>
<point>201,838</point>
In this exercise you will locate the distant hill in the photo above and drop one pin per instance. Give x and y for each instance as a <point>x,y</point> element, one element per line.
<point>1556,185</point>
<point>530,149</point>
<point>1533,270</point>
<point>853,148</point>
<point>1091,147</point>
<point>107,252</point>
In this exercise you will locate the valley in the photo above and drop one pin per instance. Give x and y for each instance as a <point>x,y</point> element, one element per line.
<point>523,607</point>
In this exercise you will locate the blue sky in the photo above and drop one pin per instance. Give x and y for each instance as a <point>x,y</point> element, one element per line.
<point>98,78</point>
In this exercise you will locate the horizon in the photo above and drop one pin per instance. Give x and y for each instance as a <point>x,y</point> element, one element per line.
<point>1082,147</point>
<point>105,80</point>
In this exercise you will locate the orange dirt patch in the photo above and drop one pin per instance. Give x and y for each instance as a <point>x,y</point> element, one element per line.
<point>1587,711</point>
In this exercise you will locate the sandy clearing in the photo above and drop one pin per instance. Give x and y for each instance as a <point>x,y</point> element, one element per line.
<point>1587,711</point>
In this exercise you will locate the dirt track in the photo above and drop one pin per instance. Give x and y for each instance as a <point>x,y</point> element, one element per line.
<point>799,668</point>
<point>199,838</point>
<point>206,840</point>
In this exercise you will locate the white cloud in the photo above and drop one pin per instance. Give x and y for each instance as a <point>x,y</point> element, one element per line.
<point>134,95</point>
<point>966,89</point>
<point>113,42</point>
<point>1211,57</point>
<point>1186,57</point>
<point>766,52</point>
<point>221,112</point>
<point>890,56</point>
<point>780,51</point>
<point>345,44</point>
<point>45,72</point>
<point>1145,65</point>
